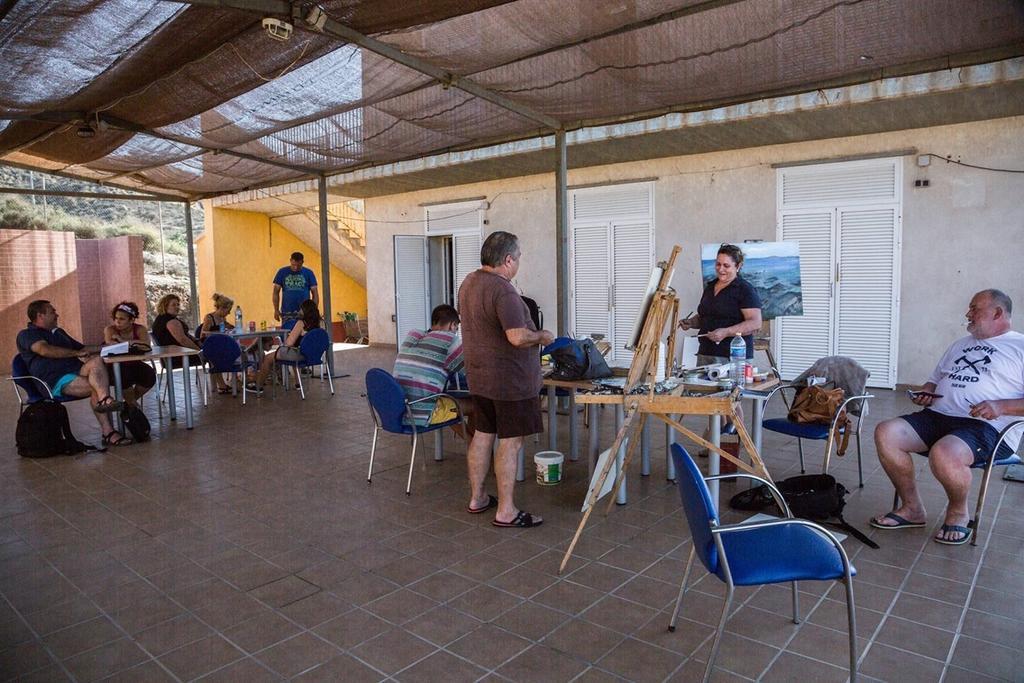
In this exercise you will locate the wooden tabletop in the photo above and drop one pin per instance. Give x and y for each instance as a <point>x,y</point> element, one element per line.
<point>157,352</point>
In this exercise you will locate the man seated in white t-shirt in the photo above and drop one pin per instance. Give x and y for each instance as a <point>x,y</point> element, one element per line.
<point>972,394</point>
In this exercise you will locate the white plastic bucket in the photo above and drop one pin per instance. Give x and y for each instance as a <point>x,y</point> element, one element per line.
<point>549,467</point>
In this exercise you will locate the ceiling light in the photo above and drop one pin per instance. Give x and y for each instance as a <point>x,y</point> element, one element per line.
<point>277,28</point>
<point>85,131</point>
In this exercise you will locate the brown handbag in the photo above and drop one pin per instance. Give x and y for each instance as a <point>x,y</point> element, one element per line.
<point>818,405</point>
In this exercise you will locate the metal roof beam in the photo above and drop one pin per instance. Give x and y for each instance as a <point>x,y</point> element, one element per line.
<point>91,195</point>
<point>338,30</point>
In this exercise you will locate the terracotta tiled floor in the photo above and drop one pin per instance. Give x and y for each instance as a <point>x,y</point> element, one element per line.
<point>252,548</point>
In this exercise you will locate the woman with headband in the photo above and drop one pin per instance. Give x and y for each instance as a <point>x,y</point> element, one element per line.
<point>136,377</point>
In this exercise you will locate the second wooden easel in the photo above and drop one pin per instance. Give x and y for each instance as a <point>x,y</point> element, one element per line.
<point>664,308</point>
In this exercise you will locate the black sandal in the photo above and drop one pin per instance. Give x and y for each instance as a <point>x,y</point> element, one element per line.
<point>122,440</point>
<point>108,405</point>
<point>524,520</point>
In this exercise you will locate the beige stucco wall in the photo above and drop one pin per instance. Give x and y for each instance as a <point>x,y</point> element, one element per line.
<point>963,233</point>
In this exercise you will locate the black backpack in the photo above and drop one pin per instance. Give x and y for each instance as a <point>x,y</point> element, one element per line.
<point>136,422</point>
<point>576,359</point>
<point>817,497</point>
<point>44,431</point>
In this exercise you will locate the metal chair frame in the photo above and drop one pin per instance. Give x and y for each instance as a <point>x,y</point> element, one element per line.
<point>378,427</point>
<point>717,530</point>
<point>831,428</point>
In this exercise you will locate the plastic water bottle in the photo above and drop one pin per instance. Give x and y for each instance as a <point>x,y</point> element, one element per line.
<point>222,327</point>
<point>737,360</point>
<point>238,320</point>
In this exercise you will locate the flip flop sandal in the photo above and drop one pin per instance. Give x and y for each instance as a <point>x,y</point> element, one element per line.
<point>122,440</point>
<point>523,520</point>
<point>966,531</point>
<point>109,405</point>
<point>492,502</point>
<point>901,522</point>
<point>224,390</point>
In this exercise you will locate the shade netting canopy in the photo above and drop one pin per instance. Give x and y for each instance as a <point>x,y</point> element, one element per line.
<point>196,99</point>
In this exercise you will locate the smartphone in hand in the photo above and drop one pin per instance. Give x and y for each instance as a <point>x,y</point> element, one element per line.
<point>927,394</point>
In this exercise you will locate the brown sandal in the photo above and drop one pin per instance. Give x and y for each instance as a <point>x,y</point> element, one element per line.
<point>120,440</point>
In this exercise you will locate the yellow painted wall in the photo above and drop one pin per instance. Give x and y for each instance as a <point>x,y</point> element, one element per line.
<point>241,251</point>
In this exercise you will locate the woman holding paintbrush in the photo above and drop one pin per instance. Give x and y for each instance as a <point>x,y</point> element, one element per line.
<point>729,306</point>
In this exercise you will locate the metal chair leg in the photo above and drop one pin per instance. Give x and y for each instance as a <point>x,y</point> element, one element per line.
<point>718,634</point>
<point>682,588</point>
<point>412,463</point>
<point>852,625</point>
<point>800,447</point>
<point>982,492</point>
<point>302,390</point>
<point>860,468</point>
<point>330,381</point>
<point>373,450</point>
<point>796,604</point>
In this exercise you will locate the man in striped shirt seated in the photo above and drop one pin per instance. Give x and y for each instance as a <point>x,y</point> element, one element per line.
<point>425,362</point>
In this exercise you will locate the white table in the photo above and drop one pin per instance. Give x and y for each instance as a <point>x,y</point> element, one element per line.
<point>159,352</point>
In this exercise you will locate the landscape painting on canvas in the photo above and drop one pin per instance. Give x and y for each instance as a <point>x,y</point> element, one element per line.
<point>772,269</point>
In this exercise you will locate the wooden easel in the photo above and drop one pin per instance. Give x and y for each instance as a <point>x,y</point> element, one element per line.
<point>664,309</point>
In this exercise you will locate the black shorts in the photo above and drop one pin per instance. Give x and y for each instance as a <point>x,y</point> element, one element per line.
<point>507,419</point>
<point>979,436</point>
<point>136,373</point>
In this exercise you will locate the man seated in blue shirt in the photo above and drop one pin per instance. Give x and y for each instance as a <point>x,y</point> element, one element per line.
<point>298,284</point>
<point>69,367</point>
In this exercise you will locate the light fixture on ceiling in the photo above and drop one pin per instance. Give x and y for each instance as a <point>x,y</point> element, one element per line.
<point>278,29</point>
<point>85,130</point>
<point>865,58</point>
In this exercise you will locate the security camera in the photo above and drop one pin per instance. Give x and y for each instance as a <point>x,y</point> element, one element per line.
<point>277,28</point>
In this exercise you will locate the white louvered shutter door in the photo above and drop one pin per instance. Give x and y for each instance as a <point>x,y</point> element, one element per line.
<point>867,308</point>
<point>804,339</point>
<point>466,250</point>
<point>590,281</point>
<point>631,270</point>
<point>411,284</point>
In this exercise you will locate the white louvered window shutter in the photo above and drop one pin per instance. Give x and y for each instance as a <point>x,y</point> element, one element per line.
<point>804,339</point>
<point>867,315</point>
<point>632,263</point>
<point>612,257</point>
<point>412,290</point>
<point>846,217</point>
<point>447,219</point>
<point>591,280</point>
<point>466,250</point>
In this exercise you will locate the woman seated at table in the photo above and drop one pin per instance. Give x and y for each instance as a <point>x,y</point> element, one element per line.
<point>137,377</point>
<point>309,319</point>
<point>168,330</point>
<point>213,321</point>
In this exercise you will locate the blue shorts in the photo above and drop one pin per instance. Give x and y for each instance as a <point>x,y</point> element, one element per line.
<point>59,385</point>
<point>979,436</point>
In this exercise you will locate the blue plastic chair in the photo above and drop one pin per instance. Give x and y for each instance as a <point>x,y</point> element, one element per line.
<point>393,413</point>
<point>991,462</point>
<point>314,346</point>
<point>756,553</point>
<point>25,381</point>
<point>222,353</point>
<point>821,432</point>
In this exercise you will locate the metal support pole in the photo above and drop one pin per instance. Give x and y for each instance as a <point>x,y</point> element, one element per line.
<point>562,234</point>
<point>193,307</point>
<point>325,270</point>
<point>163,254</point>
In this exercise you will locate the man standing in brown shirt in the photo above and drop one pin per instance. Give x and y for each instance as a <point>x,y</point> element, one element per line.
<point>499,343</point>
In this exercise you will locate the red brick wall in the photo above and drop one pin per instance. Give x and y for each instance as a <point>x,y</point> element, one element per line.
<point>109,271</point>
<point>36,264</point>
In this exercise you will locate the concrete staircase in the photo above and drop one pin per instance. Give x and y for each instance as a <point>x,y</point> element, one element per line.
<point>346,231</point>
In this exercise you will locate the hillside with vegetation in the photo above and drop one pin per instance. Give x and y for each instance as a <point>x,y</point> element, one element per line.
<point>165,258</point>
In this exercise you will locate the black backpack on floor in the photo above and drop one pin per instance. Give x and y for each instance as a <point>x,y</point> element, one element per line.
<point>817,497</point>
<point>136,422</point>
<point>44,431</point>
